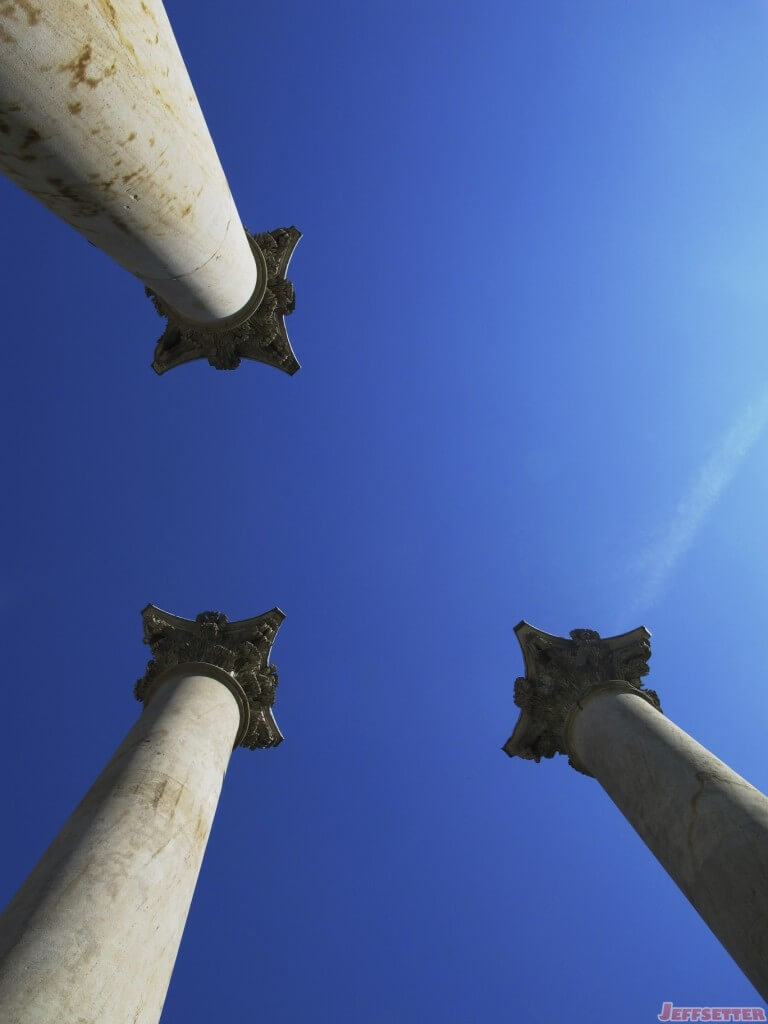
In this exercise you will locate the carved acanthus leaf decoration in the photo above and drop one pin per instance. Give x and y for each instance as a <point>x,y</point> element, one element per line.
<point>560,671</point>
<point>259,335</point>
<point>239,648</point>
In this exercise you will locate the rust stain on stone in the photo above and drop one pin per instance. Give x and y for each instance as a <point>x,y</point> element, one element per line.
<point>78,66</point>
<point>127,177</point>
<point>105,186</point>
<point>75,108</point>
<point>158,794</point>
<point>152,140</point>
<point>31,136</point>
<point>6,37</point>
<point>32,13</point>
<point>111,15</point>
<point>109,11</point>
<point>186,211</point>
<point>162,99</point>
<point>82,207</point>
<point>10,9</point>
<point>79,69</point>
<point>119,224</point>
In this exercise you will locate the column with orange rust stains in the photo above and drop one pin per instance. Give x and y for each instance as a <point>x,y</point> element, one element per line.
<point>100,122</point>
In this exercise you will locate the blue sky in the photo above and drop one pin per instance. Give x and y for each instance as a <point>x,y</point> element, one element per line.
<point>531,319</point>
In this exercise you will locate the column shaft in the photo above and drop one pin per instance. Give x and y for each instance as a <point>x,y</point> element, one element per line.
<point>706,825</point>
<point>93,933</point>
<point>100,122</point>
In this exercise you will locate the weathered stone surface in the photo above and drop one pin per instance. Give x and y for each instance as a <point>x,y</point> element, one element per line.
<point>93,933</point>
<point>241,649</point>
<point>560,672</point>
<point>706,825</point>
<point>258,332</point>
<point>101,124</point>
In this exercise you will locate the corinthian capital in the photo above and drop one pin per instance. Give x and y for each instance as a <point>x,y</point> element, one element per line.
<point>256,332</point>
<point>240,649</point>
<point>560,672</point>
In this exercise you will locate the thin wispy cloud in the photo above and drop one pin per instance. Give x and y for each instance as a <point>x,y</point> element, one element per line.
<point>658,562</point>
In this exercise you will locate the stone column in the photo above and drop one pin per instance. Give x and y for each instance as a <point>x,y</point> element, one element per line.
<point>92,934</point>
<point>708,827</point>
<point>100,122</point>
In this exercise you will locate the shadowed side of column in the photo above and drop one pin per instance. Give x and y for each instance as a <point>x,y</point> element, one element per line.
<point>707,825</point>
<point>93,933</point>
<point>583,696</point>
<point>99,121</point>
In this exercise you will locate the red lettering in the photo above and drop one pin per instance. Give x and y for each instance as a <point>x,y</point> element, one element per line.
<point>666,1011</point>
<point>760,1013</point>
<point>717,1013</point>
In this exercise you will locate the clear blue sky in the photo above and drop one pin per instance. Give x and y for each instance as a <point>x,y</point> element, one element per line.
<point>532,318</point>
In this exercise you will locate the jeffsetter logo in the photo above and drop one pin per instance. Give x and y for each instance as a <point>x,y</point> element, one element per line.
<point>671,1012</point>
